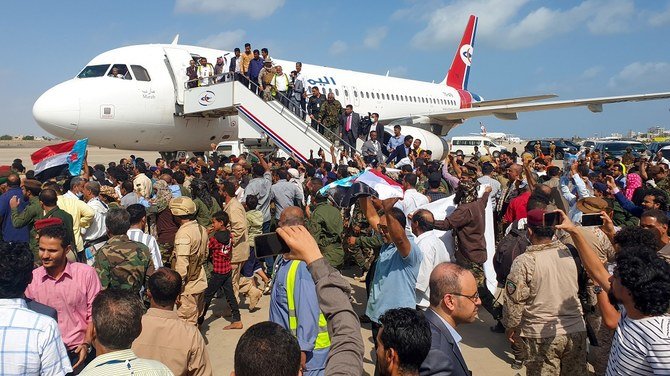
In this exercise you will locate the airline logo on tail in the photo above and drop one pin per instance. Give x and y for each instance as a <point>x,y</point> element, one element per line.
<point>459,71</point>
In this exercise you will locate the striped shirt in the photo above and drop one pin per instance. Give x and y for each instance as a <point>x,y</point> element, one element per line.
<point>148,240</point>
<point>30,343</point>
<point>125,362</point>
<point>640,347</point>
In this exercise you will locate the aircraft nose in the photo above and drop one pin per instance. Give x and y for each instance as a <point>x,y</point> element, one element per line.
<point>57,111</point>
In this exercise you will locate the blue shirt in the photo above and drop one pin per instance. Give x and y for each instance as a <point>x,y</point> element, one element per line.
<point>394,141</point>
<point>176,190</point>
<point>394,280</point>
<point>255,66</point>
<point>306,309</point>
<point>9,233</point>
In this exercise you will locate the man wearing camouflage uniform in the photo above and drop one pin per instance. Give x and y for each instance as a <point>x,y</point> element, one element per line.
<point>330,116</point>
<point>542,308</point>
<point>190,253</point>
<point>122,263</point>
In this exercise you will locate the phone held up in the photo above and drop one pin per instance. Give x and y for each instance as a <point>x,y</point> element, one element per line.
<point>270,244</point>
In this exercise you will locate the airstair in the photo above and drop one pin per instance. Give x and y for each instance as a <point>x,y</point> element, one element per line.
<point>259,122</point>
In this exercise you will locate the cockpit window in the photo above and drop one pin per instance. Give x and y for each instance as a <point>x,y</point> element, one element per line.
<point>120,71</point>
<point>140,73</point>
<point>93,71</point>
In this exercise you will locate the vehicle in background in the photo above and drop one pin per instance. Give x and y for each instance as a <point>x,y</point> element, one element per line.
<point>588,144</point>
<point>656,146</point>
<point>570,143</point>
<point>466,145</point>
<point>665,151</point>
<point>618,148</point>
<point>561,147</point>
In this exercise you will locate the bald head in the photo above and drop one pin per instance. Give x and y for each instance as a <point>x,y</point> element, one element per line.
<point>167,178</point>
<point>13,181</point>
<point>445,278</point>
<point>292,216</point>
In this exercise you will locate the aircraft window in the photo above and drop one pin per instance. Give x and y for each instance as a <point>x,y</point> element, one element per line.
<point>120,71</point>
<point>330,90</point>
<point>377,95</point>
<point>355,93</point>
<point>309,89</point>
<point>337,92</point>
<point>367,95</point>
<point>140,73</point>
<point>93,71</point>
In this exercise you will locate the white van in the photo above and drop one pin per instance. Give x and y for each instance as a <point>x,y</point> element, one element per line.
<point>466,145</point>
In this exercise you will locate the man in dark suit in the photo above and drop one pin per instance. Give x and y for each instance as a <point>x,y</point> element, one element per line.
<point>401,151</point>
<point>349,122</point>
<point>453,300</point>
<point>381,134</point>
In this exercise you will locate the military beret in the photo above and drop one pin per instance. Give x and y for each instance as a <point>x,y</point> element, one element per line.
<point>535,217</point>
<point>182,206</point>
<point>47,222</point>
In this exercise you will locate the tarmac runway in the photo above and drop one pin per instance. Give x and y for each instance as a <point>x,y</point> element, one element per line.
<point>486,353</point>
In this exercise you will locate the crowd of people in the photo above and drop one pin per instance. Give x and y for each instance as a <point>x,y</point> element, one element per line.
<point>114,271</point>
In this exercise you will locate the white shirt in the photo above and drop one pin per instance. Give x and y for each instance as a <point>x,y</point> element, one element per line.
<point>31,342</point>
<point>640,347</point>
<point>411,201</point>
<point>434,253</point>
<point>139,236</point>
<point>97,228</point>
<point>238,60</point>
<point>204,72</point>
<point>281,82</point>
<point>239,194</point>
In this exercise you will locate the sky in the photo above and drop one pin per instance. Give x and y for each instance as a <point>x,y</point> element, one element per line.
<point>575,49</point>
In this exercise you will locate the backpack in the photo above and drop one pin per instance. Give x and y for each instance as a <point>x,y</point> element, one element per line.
<point>509,247</point>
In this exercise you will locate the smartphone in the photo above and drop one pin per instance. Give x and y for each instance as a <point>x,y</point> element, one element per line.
<point>269,244</point>
<point>552,219</point>
<point>592,220</point>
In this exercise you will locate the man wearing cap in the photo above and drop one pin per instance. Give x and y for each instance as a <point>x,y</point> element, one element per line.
<point>326,225</point>
<point>48,201</point>
<point>31,213</point>
<point>265,77</point>
<point>542,307</point>
<point>188,257</point>
<point>604,249</point>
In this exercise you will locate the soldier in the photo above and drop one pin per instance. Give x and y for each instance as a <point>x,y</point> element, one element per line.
<point>31,213</point>
<point>330,116</point>
<point>314,108</point>
<point>265,77</point>
<point>190,253</point>
<point>552,150</point>
<point>542,307</point>
<point>325,224</point>
<point>358,226</point>
<point>122,263</point>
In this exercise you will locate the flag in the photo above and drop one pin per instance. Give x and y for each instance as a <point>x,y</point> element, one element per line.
<point>344,182</point>
<point>382,184</point>
<point>54,160</point>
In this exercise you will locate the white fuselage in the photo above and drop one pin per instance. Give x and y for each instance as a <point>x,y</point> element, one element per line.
<point>140,115</point>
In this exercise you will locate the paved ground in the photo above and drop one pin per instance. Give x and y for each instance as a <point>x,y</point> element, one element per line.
<point>486,353</point>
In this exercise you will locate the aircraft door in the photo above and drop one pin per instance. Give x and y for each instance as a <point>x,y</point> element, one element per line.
<point>178,61</point>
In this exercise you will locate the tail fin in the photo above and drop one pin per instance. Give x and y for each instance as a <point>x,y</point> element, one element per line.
<point>459,72</point>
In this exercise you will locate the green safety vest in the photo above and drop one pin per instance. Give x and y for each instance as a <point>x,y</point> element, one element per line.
<point>323,338</point>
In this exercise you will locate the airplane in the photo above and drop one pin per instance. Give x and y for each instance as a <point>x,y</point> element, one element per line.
<point>141,110</point>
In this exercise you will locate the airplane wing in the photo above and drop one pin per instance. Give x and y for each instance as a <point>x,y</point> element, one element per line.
<point>509,111</point>
<point>499,102</point>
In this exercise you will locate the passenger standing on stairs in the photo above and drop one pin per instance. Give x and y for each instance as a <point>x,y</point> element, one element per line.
<point>280,85</point>
<point>314,108</point>
<point>265,78</point>
<point>245,62</point>
<point>303,99</point>
<point>330,113</point>
<point>255,66</point>
<point>205,71</point>
<point>192,73</point>
<point>349,122</point>
<point>296,97</point>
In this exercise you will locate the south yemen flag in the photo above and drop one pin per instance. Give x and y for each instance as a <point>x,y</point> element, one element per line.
<point>60,159</point>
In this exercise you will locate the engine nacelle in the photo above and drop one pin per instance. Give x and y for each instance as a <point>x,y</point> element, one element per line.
<point>429,140</point>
